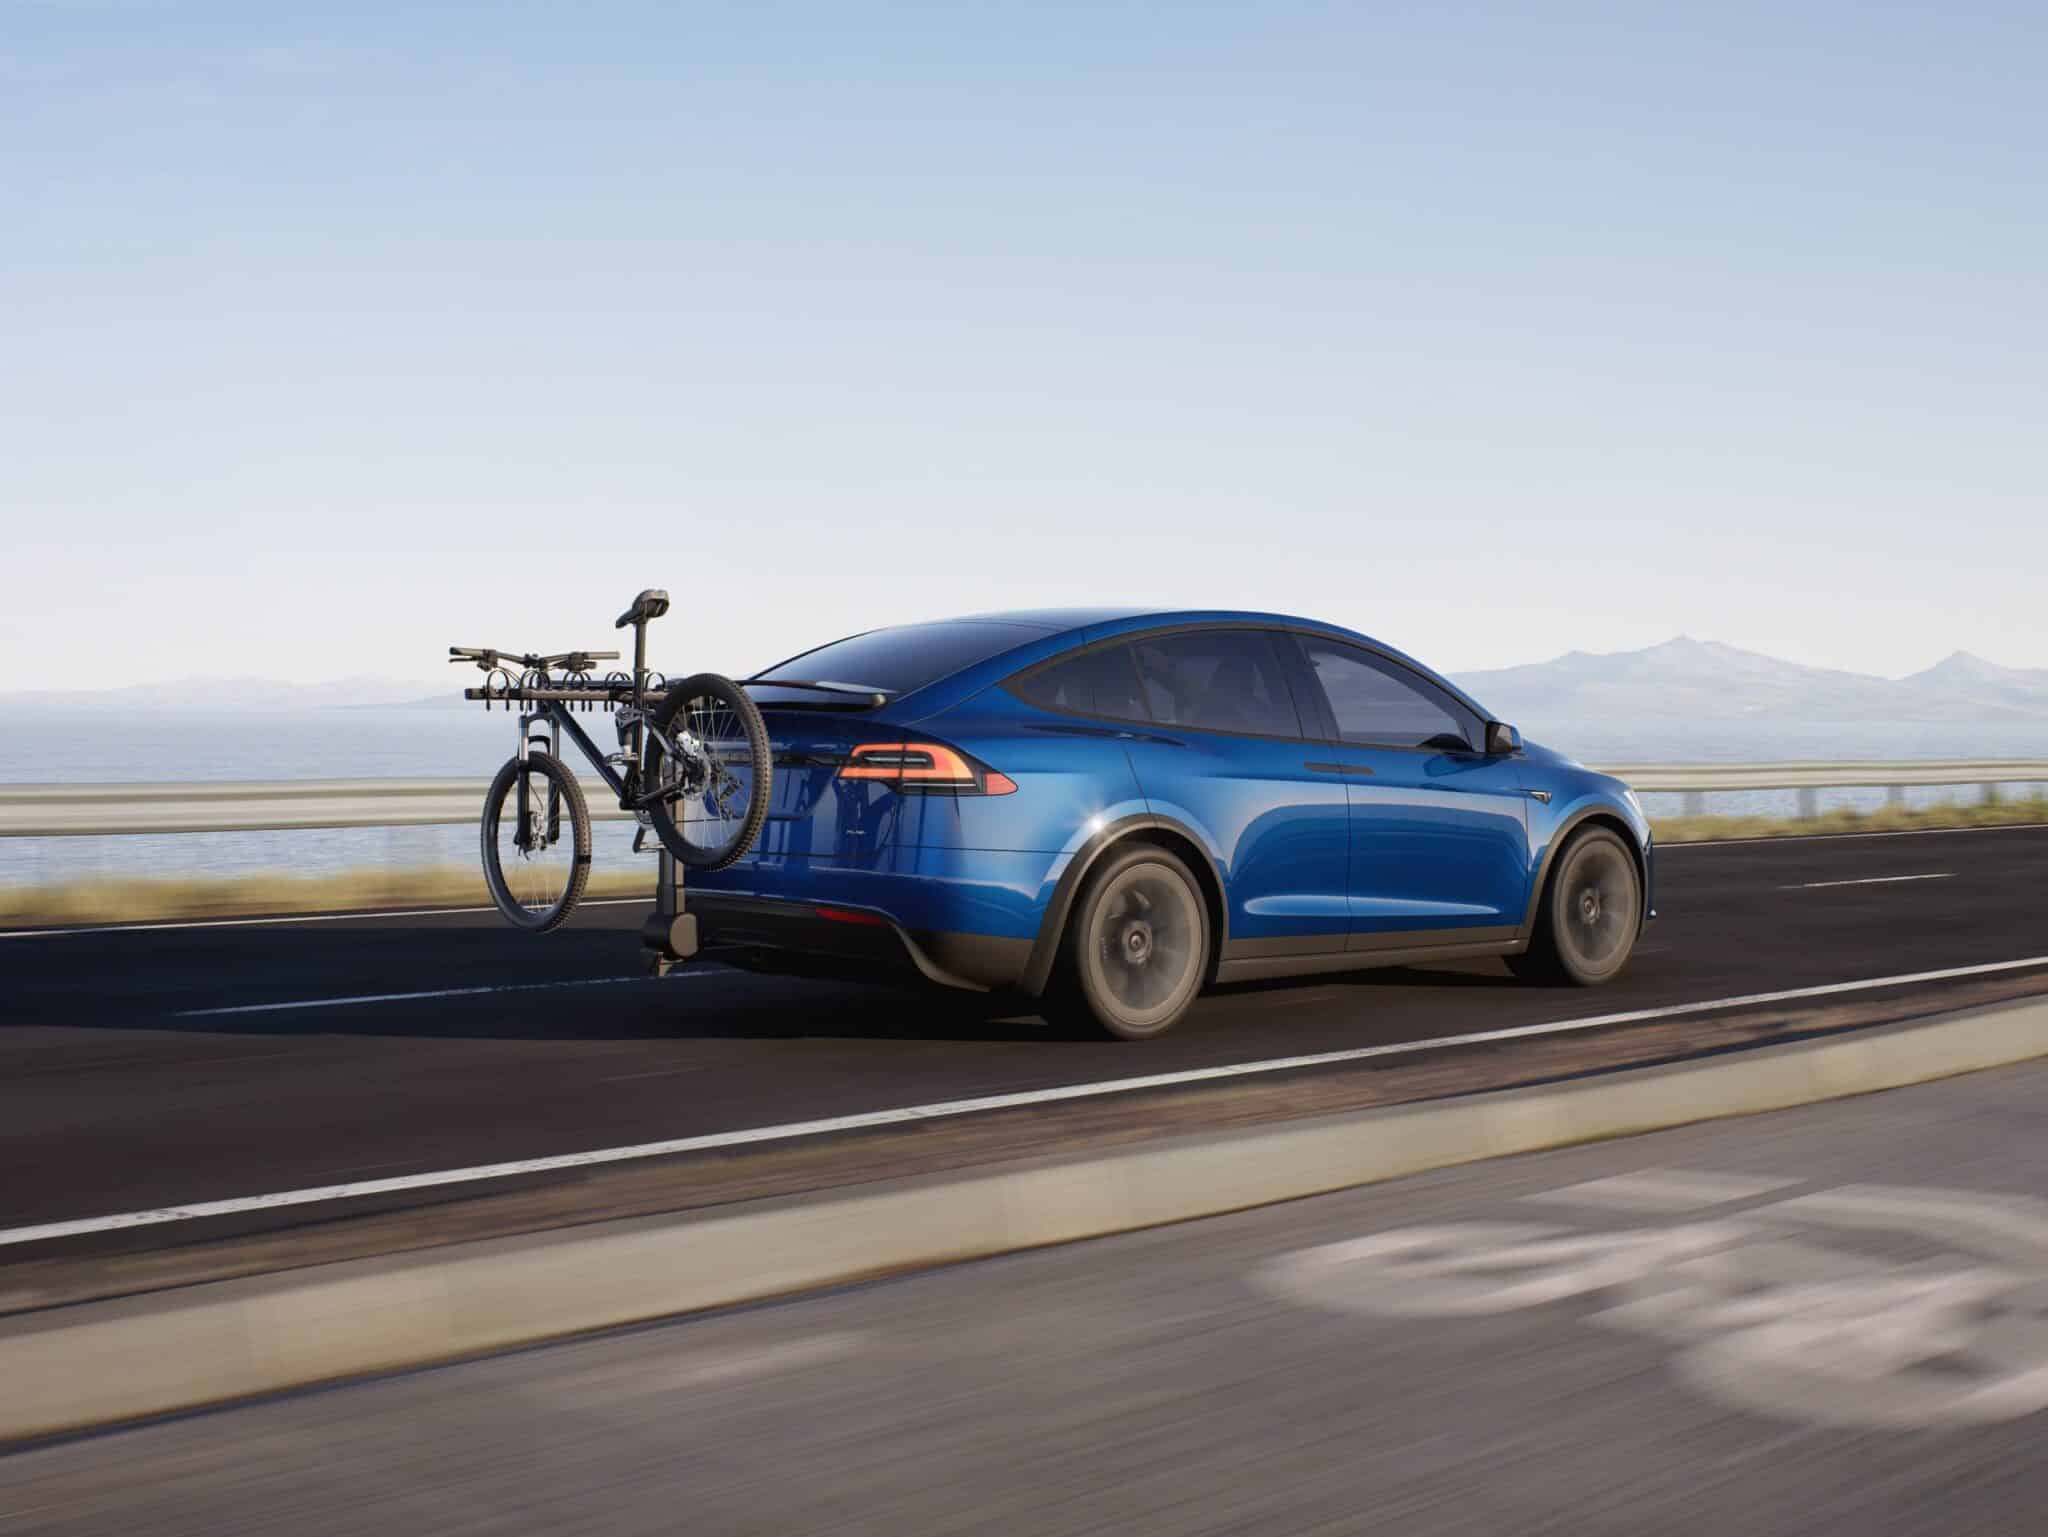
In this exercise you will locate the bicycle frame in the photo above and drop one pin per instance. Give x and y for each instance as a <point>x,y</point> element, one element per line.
<point>554,710</point>
<point>552,704</point>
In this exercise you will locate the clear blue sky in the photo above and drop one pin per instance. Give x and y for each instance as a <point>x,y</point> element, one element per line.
<point>331,335</point>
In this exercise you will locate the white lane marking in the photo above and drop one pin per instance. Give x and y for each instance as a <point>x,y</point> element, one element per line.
<point>952,1107</point>
<point>1663,1190</point>
<point>1869,880</point>
<point>438,992</point>
<point>264,923</point>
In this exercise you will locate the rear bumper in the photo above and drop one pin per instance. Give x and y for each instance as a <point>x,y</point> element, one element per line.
<point>844,939</point>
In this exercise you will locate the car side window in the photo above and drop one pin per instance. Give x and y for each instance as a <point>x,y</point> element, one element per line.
<point>1218,680</point>
<point>1103,681</point>
<point>1379,702</point>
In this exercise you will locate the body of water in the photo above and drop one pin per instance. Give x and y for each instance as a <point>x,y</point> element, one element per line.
<point>461,740</point>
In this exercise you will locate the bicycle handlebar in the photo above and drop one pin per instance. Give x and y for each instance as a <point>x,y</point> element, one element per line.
<point>487,659</point>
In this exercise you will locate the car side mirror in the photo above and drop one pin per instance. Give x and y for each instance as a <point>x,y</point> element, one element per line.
<point>1502,739</point>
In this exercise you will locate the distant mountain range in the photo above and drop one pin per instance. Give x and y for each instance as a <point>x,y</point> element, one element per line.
<point>1700,680</point>
<point>1682,680</point>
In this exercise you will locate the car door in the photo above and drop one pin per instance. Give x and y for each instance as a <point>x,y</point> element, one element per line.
<point>1439,830</point>
<point>1220,748</point>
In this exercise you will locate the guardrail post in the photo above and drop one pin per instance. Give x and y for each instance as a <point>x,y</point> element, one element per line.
<point>1809,803</point>
<point>1695,803</point>
<point>1895,795</point>
<point>1991,792</point>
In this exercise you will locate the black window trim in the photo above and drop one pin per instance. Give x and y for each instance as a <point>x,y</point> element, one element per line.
<point>1430,684</point>
<point>1288,660</point>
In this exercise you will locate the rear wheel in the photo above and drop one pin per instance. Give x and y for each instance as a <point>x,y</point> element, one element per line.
<point>720,776</point>
<point>1136,949</point>
<point>536,867</point>
<point>1591,913</point>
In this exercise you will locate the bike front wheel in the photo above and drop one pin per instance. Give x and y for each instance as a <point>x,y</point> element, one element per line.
<point>536,842</point>
<point>716,781</point>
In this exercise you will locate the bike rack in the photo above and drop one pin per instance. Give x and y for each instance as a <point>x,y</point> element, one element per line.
<point>669,936</point>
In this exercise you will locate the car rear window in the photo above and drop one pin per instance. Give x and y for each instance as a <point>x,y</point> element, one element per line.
<point>1099,682</point>
<point>903,658</point>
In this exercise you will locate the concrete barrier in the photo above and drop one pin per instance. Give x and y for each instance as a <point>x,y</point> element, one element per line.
<point>65,1368</point>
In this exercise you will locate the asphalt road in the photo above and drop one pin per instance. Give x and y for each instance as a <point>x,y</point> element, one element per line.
<point>1828,1320</point>
<point>123,1088</point>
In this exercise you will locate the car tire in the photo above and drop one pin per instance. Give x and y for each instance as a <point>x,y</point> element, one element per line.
<point>1591,913</point>
<point>1135,953</point>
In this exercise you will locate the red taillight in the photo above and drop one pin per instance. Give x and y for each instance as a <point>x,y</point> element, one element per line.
<point>848,915</point>
<point>924,766</point>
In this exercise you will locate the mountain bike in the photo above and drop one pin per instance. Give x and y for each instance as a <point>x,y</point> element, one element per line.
<point>692,766</point>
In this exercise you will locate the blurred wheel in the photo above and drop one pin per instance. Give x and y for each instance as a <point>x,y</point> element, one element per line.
<point>1592,911</point>
<point>1137,945</point>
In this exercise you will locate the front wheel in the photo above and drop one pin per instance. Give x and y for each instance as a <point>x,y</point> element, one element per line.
<point>536,842</point>
<point>1136,947</point>
<point>1591,913</point>
<point>715,783</point>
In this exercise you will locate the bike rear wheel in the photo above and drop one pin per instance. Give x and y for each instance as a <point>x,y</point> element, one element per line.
<point>720,777</point>
<point>536,867</point>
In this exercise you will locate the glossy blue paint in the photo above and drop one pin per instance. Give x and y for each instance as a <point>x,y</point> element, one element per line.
<point>1438,840</point>
<point>960,891</point>
<point>1077,772</point>
<point>1309,858</point>
<point>1577,795</point>
<point>1279,833</point>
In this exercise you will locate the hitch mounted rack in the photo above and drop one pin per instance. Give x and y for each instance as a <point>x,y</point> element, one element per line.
<point>669,936</point>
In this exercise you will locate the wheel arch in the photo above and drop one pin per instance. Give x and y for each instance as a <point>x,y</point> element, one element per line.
<point>1567,830</point>
<point>1163,832</point>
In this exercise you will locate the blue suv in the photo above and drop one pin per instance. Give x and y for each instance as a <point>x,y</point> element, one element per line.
<point>1109,811</point>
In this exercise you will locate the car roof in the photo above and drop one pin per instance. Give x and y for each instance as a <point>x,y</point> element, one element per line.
<point>1062,629</point>
<point>1100,623</point>
<point>1111,618</point>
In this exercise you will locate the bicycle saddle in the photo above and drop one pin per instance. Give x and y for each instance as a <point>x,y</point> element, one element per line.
<point>651,604</point>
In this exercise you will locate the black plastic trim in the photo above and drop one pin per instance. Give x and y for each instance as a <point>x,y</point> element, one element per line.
<point>1045,951</point>
<point>1360,960</point>
<point>971,962</point>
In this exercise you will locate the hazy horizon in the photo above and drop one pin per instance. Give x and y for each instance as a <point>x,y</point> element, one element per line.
<point>384,689</point>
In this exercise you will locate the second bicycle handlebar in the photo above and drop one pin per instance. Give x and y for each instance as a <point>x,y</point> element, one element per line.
<point>569,661</point>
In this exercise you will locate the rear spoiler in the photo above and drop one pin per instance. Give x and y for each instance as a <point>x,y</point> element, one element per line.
<point>841,696</point>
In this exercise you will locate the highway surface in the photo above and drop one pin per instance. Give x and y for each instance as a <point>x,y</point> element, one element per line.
<point>145,1068</point>
<point>1824,1321</point>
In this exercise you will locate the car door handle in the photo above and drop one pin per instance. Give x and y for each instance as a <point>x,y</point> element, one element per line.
<point>1337,768</point>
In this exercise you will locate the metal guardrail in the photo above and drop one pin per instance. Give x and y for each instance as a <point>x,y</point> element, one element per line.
<point>240,806</point>
<point>1696,781</point>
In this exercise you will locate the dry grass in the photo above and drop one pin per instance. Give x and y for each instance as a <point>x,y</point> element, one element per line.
<point>109,900</point>
<point>1886,819</point>
<point>105,899</point>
